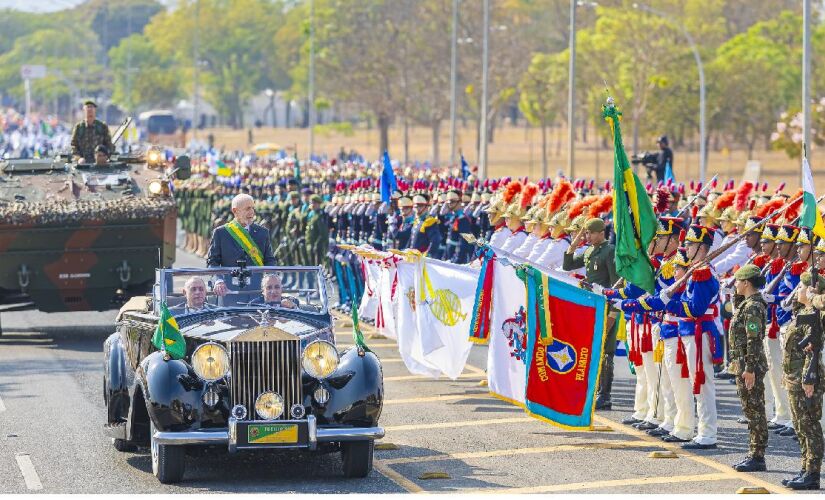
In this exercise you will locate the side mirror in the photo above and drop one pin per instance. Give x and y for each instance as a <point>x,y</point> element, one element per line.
<point>183,167</point>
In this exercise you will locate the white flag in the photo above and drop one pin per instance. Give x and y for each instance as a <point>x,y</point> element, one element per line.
<point>445,314</point>
<point>369,301</point>
<point>506,364</point>
<point>389,297</point>
<point>409,342</point>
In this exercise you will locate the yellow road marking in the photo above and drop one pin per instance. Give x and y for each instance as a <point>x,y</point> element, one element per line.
<point>446,397</point>
<point>718,476</point>
<point>424,377</point>
<point>460,423</point>
<point>692,456</point>
<point>395,477</point>
<point>599,445</point>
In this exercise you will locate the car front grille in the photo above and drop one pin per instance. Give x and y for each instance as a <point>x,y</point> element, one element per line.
<point>265,366</point>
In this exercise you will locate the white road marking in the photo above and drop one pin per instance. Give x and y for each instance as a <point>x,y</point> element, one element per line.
<point>29,474</point>
<point>2,406</point>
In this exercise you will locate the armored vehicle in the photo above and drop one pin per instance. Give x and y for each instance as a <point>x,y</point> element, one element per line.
<point>85,237</point>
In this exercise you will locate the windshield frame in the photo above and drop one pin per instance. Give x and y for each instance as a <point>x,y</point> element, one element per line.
<point>159,291</point>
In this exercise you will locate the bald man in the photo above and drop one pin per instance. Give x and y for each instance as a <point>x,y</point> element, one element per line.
<point>240,239</point>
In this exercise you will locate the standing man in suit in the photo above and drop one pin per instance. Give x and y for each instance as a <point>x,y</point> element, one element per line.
<point>239,239</point>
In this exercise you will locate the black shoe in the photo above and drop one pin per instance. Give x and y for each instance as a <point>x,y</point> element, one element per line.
<point>631,421</point>
<point>808,481</point>
<point>787,432</point>
<point>743,420</point>
<point>751,464</point>
<point>603,403</point>
<point>670,438</point>
<point>789,479</point>
<point>724,376</point>
<point>657,432</point>
<point>732,381</point>
<point>646,426</point>
<point>773,426</point>
<point>693,445</point>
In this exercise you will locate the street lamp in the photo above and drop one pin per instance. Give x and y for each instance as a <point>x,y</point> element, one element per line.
<point>453,80</point>
<point>702,117</point>
<point>482,146</point>
<point>311,90</point>
<point>269,93</point>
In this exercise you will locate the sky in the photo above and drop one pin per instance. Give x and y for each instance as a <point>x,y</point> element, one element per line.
<point>49,5</point>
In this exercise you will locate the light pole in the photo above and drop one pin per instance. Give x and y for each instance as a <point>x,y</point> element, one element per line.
<point>453,80</point>
<point>806,75</point>
<point>196,83</point>
<point>482,133</point>
<point>703,159</point>
<point>571,95</point>
<point>311,78</point>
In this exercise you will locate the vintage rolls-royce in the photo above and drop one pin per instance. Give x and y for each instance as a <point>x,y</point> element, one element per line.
<point>261,369</point>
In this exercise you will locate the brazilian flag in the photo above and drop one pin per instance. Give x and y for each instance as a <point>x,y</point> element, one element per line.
<point>633,219</point>
<point>167,335</point>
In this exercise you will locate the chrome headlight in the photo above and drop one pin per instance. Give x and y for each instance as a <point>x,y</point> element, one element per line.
<point>155,188</point>
<point>210,362</point>
<point>320,359</point>
<point>153,157</point>
<point>269,405</point>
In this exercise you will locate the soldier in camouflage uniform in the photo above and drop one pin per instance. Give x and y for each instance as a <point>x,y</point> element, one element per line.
<point>748,361</point>
<point>316,232</point>
<point>802,370</point>
<point>89,134</point>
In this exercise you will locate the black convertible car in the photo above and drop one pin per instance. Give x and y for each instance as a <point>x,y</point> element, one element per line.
<point>260,370</point>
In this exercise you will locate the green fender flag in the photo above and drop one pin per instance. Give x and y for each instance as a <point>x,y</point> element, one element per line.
<point>357,336</point>
<point>633,219</point>
<point>167,335</point>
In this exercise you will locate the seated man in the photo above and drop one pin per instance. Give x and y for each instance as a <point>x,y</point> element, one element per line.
<point>271,294</point>
<point>101,156</point>
<point>195,292</point>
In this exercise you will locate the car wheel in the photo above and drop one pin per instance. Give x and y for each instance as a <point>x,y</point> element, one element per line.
<point>357,457</point>
<point>123,445</point>
<point>168,462</point>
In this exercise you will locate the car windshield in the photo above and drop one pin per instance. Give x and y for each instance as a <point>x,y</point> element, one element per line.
<point>187,291</point>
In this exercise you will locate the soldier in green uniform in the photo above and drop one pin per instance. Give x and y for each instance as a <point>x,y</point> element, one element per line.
<point>748,361</point>
<point>600,269</point>
<point>802,370</point>
<point>89,134</point>
<point>316,232</point>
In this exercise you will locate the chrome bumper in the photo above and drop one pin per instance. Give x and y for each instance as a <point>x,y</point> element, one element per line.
<point>229,436</point>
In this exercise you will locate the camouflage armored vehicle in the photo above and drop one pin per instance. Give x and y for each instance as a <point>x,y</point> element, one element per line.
<point>81,237</point>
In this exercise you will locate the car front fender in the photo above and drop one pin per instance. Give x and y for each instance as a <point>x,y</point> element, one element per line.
<point>356,392</point>
<point>172,393</point>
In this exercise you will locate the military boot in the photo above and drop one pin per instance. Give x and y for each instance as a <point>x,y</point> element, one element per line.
<point>603,401</point>
<point>797,476</point>
<point>751,464</point>
<point>808,481</point>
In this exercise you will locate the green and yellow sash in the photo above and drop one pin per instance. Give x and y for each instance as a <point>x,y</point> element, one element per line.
<point>240,234</point>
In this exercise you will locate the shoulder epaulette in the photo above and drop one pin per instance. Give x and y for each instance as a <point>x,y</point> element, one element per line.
<point>760,260</point>
<point>429,221</point>
<point>799,267</point>
<point>701,274</point>
<point>667,269</point>
<point>777,265</point>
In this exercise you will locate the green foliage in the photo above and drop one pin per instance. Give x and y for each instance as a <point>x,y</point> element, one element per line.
<point>143,75</point>
<point>541,88</point>
<point>335,128</point>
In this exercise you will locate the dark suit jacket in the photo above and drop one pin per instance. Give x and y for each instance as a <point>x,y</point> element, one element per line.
<point>224,251</point>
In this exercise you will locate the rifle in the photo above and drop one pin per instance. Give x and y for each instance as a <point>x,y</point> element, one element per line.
<point>690,203</point>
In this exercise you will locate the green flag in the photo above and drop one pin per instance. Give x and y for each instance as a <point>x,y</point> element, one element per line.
<point>633,219</point>
<point>357,336</point>
<point>167,335</point>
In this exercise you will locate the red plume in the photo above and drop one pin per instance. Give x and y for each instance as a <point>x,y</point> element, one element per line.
<point>694,212</point>
<point>601,206</point>
<point>780,188</point>
<point>751,205</point>
<point>510,192</point>
<point>795,207</point>
<point>742,194</point>
<point>562,193</point>
<point>527,195</point>
<point>764,186</point>
<point>769,207</point>
<point>578,207</point>
<point>724,200</point>
<point>662,200</point>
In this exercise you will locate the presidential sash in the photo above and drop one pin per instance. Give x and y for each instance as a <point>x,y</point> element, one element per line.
<point>243,238</point>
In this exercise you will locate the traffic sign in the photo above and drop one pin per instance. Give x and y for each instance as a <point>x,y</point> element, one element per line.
<point>32,71</point>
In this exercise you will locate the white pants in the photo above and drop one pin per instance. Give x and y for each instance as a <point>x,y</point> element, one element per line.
<point>706,399</point>
<point>641,406</point>
<point>668,402</point>
<point>682,389</point>
<point>661,408</point>
<point>781,405</point>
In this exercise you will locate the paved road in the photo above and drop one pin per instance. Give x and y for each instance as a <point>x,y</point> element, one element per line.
<point>51,413</point>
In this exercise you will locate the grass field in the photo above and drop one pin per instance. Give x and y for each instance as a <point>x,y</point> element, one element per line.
<point>517,152</point>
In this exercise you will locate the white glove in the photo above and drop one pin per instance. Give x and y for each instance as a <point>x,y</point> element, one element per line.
<point>769,297</point>
<point>597,288</point>
<point>664,296</point>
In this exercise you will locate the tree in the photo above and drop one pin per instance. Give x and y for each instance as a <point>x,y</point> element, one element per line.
<point>143,76</point>
<point>540,94</point>
<point>114,20</point>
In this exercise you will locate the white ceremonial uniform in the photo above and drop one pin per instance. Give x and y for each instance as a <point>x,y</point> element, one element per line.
<point>514,241</point>
<point>539,248</point>
<point>524,249</point>
<point>500,236</point>
<point>737,255</point>
<point>553,256</point>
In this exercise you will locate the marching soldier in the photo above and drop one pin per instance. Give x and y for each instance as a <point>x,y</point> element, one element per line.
<point>425,235</point>
<point>749,363</point>
<point>459,251</point>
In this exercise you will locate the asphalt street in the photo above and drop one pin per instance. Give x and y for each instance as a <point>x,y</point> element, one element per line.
<point>52,413</point>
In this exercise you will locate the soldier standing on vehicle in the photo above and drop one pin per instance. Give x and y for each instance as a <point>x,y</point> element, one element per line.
<point>89,134</point>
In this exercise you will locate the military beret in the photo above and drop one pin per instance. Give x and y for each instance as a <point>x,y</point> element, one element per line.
<point>595,224</point>
<point>316,198</point>
<point>806,280</point>
<point>747,272</point>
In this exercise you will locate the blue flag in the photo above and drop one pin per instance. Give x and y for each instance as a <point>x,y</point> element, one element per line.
<point>465,168</point>
<point>669,173</point>
<point>388,184</point>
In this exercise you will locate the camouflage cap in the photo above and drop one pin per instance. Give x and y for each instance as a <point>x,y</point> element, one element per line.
<point>294,194</point>
<point>747,272</point>
<point>595,224</point>
<point>806,280</point>
<point>316,198</point>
